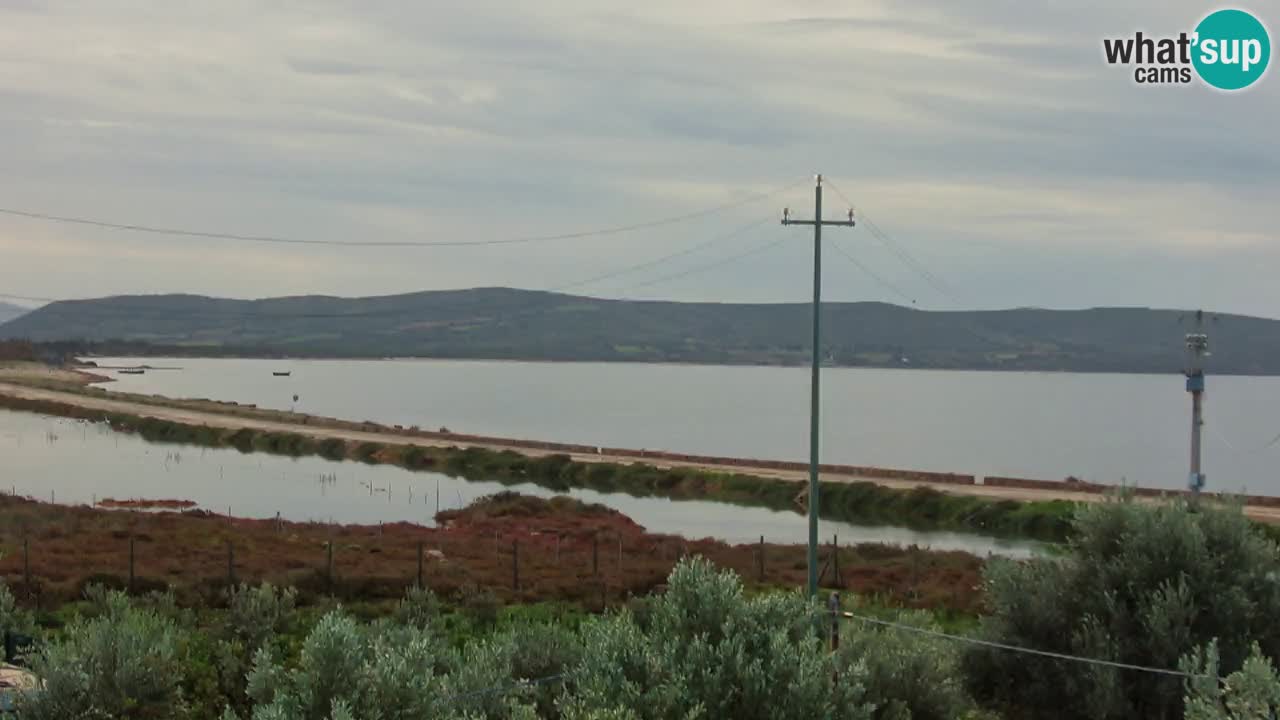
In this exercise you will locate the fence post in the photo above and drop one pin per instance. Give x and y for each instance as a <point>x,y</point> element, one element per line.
<point>329,566</point>
<point>419,585</point>
<point>835,560</point>
<point>515,564</point>
<point>834,605</point>
<point>131,564</point>
<point>231,565</point>
<point>26,562</point>
<point>760,559</point>
<point>915,574</point>
<point>595,555</point>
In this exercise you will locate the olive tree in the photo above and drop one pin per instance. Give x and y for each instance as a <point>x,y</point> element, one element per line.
<point>1140,584</point>
<point>386,671</point>
<point>707,651</point>
<point>122,663</point>
<point>255,617</point>
<point>910,676</point>
<point>1250,693</point>
<point>12,618</point>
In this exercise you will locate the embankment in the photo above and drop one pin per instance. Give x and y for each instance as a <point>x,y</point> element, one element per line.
<point>1088,488</point>
<point>865,502</point>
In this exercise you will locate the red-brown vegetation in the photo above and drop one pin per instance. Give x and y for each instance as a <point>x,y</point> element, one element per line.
<point>566,551</point>
<point>146,504</point>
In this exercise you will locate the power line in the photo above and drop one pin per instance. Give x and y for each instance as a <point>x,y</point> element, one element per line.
<point>504,689</point>
<point>211,235</point>
<point>707,266</point>
<point>871,273</point>
<point>120,309</point>
<point>899,251</point>
<point>1020,649</point>
<point>1245,451</point>
<point>658,261</point>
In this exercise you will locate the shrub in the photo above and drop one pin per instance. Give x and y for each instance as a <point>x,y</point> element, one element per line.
<point>1138,584</point>
<point>122,664</point>
<point>383,672</point>
<point>1250,693</point>
<point>909,676</point>
<point>711,652</point>
<point>419,608</point>
<point>333,448</point>
<point>367,452</point>
<point>12,618</point>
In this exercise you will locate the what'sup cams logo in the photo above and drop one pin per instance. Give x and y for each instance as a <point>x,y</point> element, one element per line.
<point>1228,50</point>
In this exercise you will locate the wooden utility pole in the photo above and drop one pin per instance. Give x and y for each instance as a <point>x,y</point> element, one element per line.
<point>814,393</point>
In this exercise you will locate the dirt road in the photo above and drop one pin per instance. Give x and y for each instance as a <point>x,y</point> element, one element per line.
<point>233,421</point>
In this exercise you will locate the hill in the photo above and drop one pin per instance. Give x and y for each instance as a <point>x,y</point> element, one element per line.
<point>9,311</point>
<point>502,323</point>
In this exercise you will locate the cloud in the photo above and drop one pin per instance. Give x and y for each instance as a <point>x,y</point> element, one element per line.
<point>988,136</point>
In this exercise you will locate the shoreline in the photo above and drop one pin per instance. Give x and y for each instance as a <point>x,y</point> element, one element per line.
<point>676,363</point>
<point>76,390</point>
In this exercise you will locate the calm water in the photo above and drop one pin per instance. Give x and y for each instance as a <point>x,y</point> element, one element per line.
<point>77,462</point>
<point>1104,428</point>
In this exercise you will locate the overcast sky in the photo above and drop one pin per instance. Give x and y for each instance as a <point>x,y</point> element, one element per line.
<point>986,137</point>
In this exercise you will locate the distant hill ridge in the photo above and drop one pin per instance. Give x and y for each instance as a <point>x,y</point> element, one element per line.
<point>9,311</point>
<point>505,323</point>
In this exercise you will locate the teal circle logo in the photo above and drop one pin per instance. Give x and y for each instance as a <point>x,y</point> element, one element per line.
<point>1232,49</point>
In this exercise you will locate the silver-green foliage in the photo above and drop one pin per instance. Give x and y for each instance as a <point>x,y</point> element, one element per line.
<point>419,607</point>
<point>257,614</point>
<point>1250,693</point>
<point>383,672</point>
<point>707,651</point>
<point>123,663</point>
<point>910,676</point>
<point>1139,584</point>
<point>12,618</point>
<point>255,617</point>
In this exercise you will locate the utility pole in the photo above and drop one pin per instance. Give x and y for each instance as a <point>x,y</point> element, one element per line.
<point>814,395</point>
<point>1197,351</point>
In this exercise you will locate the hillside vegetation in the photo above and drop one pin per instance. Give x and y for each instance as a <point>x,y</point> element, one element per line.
<point>502,323</point>
<point>9,311</point>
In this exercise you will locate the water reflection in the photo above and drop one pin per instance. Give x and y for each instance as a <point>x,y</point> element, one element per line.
<point>79,462</point>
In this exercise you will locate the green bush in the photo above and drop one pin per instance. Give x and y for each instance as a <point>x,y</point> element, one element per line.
<point>367,452</point>
<point>909,676</point>
<point>383,672</point>
<point>711,652</point>
<point>125,663</point>
<point>1137,584</point>
<point>13,618</point>
<point>1250,693</point>
<point>332,448</point>
<point>419,608</point>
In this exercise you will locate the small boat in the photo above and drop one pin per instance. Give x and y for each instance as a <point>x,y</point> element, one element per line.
<point>282,373</point>
<point>131,371</point>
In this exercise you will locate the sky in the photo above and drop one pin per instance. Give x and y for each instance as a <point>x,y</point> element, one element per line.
<point>988,140</point>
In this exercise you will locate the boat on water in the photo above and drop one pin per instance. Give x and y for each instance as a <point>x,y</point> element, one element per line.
<point>131,371</point>
<point>282,373</point>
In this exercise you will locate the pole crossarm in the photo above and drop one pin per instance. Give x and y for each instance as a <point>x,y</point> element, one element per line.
<point>838,223</point>
<point>817,223</point>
